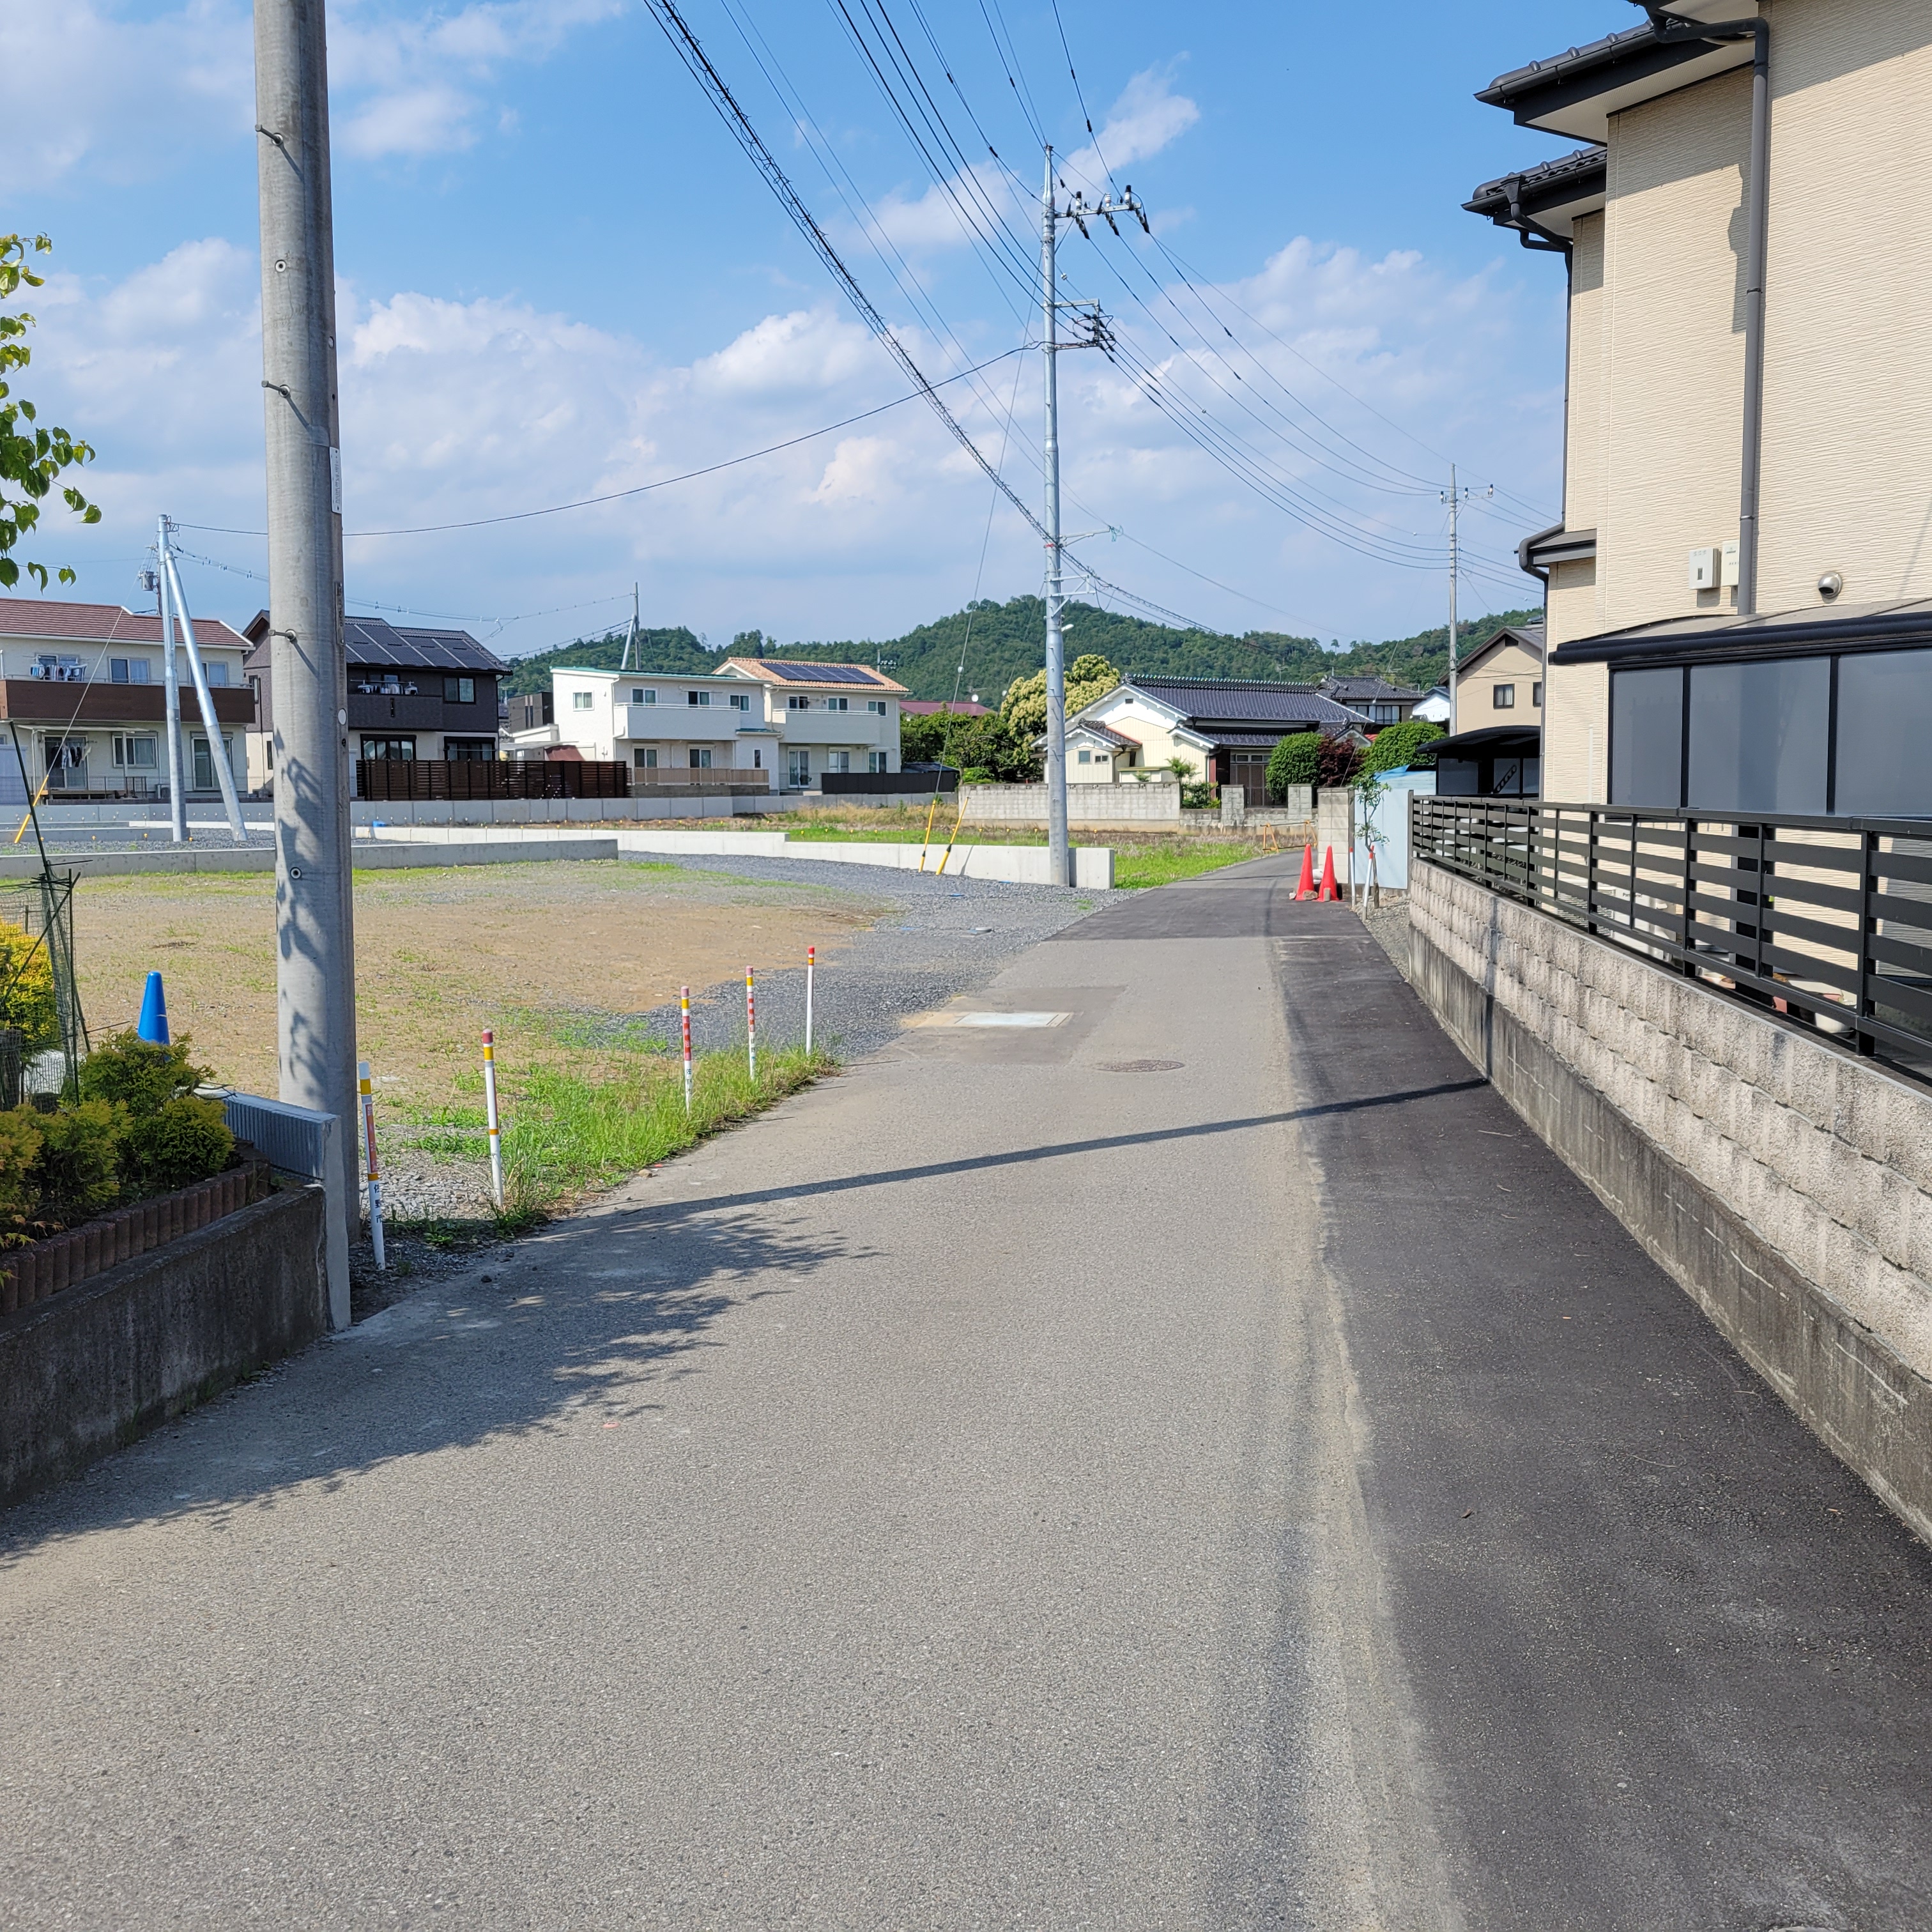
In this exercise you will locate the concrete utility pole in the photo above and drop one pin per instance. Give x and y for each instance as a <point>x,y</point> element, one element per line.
<point>316,969</point>
<point>1455,499</point>
<point>171,694</point>
<point>1060,857</point>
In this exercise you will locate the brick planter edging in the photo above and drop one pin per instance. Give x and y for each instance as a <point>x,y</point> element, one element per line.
<point>30,1274</point>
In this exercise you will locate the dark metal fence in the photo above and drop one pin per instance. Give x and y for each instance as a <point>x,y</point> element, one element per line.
<point>912,782</point>
<point>1826,920</point>
<point>395,780</point>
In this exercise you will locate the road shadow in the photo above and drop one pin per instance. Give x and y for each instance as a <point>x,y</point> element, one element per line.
<point>589,1321</point>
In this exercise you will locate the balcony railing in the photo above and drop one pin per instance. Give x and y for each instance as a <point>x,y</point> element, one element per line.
<point>1828,921</point>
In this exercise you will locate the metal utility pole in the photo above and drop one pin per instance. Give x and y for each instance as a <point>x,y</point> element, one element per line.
<point>316,966</point>
<point>171,693</point>
<point>624,663</point>
<point>1060,857</point>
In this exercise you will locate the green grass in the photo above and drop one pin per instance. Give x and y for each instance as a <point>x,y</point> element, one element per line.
<point>1140,865</point>
<point>566,1134</point>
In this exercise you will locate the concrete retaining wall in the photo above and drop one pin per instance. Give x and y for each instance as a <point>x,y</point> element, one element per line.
<point>433,849</point>
<point>1155,805</point>
<point>1784,1183</point>
<point>89,1371</point>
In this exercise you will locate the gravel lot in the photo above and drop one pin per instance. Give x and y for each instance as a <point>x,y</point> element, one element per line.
<point>949,936</point>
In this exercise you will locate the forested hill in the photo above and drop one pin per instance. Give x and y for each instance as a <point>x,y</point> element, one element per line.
<point>1000,642</point>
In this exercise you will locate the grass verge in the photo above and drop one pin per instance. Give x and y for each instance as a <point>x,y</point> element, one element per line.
<point>566,1135</point>
<point>1149,864</point>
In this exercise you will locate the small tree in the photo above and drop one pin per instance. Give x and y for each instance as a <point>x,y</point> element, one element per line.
<point>1292,762</point>
<point>1396,747</point>
<point>31,460</point>
<point>1023,707</point>
<point>1336,762</point>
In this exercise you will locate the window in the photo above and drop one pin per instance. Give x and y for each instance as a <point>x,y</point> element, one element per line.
<point>697,697</point>
<point>1385,714</point>
<point>643,695</point>
<point>757,758</point>
<point>875,761</point>
<point>1502,697</point>
<point>459,691</point>
<point>838,761</point>
<point>215,671</point>
<point>138,752</point>
<point>741,700</point>
<point>117,671</point>
<point>67,762</point>
<point>1647,737</point>
<point>1884,711</point>
<point>798,768</point>
<point>469,750</point>
<point>701,757</point>
<point>798,704</point>
<point>838,704</point>
<point>139,671</point>
<point>582,701</point>
<point>1757,736</point>
<point>1086,758</point>
<point>389,748</point>
<point>645,757</point>
<point>877,706</point>
<point>1536,694</point>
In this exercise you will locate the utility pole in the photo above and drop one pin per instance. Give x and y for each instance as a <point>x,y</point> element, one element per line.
<point>1455,499</point>
<point>1060,857</point>
<point>624,663</point>
<point>315,983</point>
<point>171,692</point>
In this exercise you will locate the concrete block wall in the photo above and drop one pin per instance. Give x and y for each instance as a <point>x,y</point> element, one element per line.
<point>1088,805</point>
<point>1786,1183</point>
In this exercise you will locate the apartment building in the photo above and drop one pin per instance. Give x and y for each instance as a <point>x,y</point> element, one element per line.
<point>777,723</point>
<point>1739,595</point>
<point>85,686</point>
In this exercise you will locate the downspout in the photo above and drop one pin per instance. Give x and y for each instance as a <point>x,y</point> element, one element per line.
<point>1667,26</point>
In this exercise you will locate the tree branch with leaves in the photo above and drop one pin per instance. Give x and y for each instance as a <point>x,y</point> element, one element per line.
<point>31,458</point>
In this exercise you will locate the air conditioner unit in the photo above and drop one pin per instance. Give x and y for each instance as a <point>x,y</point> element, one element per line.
<point>1704,563</point>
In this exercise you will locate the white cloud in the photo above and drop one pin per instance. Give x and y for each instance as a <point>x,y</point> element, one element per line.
<point>456,410</point>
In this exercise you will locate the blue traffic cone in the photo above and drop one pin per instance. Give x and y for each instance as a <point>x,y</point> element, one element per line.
<point>153,1024</point>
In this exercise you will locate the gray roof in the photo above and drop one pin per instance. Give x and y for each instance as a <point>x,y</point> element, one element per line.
<point>1546,199</point>
<point>1365,690</point>
<point>1723,636</point>
<point>1209,704</point>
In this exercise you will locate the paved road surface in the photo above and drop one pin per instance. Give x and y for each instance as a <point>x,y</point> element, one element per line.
<point>1022,1483</point>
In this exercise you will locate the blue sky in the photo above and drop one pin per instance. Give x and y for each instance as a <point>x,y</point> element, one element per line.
<point>559,278</point>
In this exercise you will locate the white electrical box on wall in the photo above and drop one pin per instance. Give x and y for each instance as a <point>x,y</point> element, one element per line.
<point>1704,567</point>
<point>1729,565</point>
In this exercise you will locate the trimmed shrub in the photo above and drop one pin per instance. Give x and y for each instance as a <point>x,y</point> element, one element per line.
<point>135,1073</point>
<point>1395,746</point>
<point>27,989</point>
<point>1292,762</point>
<point>78,1169</point>
<point>20,1139</point>
<point>186,1140</point>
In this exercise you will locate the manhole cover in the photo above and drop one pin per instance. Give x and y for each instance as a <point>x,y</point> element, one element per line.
<point>1141,1066</point>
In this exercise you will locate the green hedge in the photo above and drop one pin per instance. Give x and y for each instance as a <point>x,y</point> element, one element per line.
<point>1397,747</point>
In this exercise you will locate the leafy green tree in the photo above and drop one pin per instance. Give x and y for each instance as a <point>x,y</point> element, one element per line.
<point>31,458</point>
<point>1023,707</point>
<point>1292,762</point>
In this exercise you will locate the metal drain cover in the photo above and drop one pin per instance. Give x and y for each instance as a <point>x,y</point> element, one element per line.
<point>1141,1066</point>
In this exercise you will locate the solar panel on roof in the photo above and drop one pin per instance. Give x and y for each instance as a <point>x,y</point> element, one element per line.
<point>819,673</point>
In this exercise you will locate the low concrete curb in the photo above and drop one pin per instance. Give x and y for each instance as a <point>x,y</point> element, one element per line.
<point>370,855</point>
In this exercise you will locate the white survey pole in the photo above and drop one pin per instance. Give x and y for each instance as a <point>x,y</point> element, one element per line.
<point>171,693</point>
<point>218,752</point>
<point>492,1120</point>
<point>368,1099</point>
<point>1059,868</point>
<point>315,980</point>
<point>811,966</point>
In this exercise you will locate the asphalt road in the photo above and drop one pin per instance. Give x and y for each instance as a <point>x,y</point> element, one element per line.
<point>1135,1472</point>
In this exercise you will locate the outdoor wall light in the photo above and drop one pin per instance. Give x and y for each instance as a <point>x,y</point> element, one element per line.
<point>1829,585</point>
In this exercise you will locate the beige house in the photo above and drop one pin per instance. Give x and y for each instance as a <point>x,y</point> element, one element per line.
<point>1740,592</point>
<point>1501,681</point>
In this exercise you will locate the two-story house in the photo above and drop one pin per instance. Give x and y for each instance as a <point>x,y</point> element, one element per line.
<point>84,685</point>
<point>773,722</point>
<point>1739,595</point>
<point>412,694</point>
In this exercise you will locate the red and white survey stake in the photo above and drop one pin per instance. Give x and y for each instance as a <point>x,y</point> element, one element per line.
<point>493,1124</point>
<point>369,1163</point>
<point>811,960</point>
<point>750,1026</point>
<point>684,1011</point>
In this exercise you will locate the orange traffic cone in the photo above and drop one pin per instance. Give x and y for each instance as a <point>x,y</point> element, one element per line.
<point>1328,891</point>
<point>1306,890</point>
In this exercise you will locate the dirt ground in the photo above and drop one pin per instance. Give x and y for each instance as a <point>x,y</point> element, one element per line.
<point>553,956</point>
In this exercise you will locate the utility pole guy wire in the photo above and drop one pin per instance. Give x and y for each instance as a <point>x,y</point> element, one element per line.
<point>315,980</point>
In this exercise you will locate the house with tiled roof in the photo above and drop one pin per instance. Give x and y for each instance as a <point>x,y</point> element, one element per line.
<point>84,685</point>
<point>1224,729</point>
<point>1379,701</point>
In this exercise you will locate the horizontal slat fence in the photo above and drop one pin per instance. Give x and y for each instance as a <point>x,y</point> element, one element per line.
<point>1827,919</point>
<point>392,781</point>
